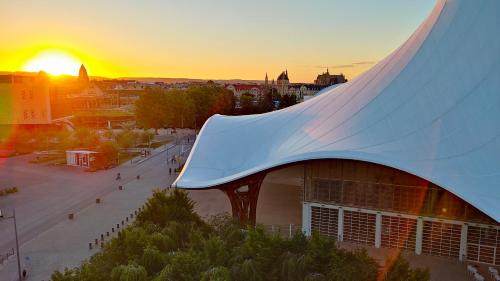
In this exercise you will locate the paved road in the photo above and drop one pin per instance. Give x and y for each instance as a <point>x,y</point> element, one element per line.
<point>48,194</point>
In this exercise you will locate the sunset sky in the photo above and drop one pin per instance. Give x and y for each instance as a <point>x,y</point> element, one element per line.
<point>218,39</point>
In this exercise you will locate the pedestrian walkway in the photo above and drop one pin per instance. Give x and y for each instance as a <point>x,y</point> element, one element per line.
<point>66,244</point>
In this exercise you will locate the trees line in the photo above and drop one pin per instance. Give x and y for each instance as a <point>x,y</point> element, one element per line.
<point>159,108</point>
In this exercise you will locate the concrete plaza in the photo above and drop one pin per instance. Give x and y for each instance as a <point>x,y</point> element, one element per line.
<point>47,194</point>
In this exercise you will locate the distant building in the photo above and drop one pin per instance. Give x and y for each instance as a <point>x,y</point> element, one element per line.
<point>303,90</point>
<point>25,99</point>
<point>282,83</point>
<point>300,90</point>
<point>126,85</point>
<point>91,97</point>
<point>240,89</point>
<point>327,79</point>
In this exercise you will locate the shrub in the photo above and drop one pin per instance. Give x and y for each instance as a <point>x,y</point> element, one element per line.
<point>399,269</point>
<point>7,191</point>
<point>131,272</point>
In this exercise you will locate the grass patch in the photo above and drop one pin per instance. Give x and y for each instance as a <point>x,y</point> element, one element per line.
<point>153,144</point>
<point>160,143</point>
<point>126,156</point>
<point>48,158</point>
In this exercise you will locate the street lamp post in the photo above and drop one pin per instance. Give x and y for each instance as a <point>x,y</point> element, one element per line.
<point>17,241</point>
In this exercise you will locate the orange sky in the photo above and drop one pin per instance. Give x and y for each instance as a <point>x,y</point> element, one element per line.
<point>208,39</point>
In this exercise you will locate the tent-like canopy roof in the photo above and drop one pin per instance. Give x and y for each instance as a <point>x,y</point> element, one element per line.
<point>431,108</point>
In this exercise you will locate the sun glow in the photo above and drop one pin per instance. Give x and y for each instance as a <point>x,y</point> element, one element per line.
<point>53,62</point>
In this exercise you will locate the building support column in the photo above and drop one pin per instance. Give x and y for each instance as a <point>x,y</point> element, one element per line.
<point>419,236</point>
<point>378,230</point>
<point>243,195</point>
<point>340,227</point>
<point>463,242</point>
<point>306,219</point>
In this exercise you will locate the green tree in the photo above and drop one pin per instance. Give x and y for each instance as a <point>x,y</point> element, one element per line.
<point>126,139</point>
<point>150,109</point>
<point>169,242</point>
<point>219,273</point>
<point>108,153</point>
<point>66,275</point>
<point>152,260</point>
<point>163,207</point>
<point>147,137</point>
<point>86,138</point>
<point>321,250</point>
<point>183,266</point>
<point>399,269</point>
<point>266,103</point>
<point>249,270</point>
<point>246,104</point>
<point>356,265</point>
<point>287,100</point>
<point>131,272</point>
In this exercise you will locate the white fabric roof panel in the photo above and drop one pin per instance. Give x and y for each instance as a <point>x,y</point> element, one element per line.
<point>431,108</point>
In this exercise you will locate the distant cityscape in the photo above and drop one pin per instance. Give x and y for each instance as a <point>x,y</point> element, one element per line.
<point>38,99</point>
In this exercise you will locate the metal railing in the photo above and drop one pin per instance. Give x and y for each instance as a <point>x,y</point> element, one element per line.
<point>284,230</point>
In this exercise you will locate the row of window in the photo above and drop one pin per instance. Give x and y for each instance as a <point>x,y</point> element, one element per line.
<point>431,201</point>
<point>26,114</point>
<point>438,238</point>
<point>372,186</point>
<point>483,244</point>
<point>27,94</point>
<point>31,114</point>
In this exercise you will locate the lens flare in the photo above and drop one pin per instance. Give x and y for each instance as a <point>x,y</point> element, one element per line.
<point>54,63</point>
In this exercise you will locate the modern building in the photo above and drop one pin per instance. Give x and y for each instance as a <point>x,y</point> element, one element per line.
<point>25,99</point>
<point>404,156</point>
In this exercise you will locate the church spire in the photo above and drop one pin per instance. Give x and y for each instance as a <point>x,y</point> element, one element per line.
<point>83,77</point>
<point>266,82</point>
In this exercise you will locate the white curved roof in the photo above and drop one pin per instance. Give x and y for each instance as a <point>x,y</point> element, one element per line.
<point>431,108</point>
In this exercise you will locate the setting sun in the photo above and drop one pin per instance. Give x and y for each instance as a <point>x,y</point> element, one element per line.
<point>53,62</point>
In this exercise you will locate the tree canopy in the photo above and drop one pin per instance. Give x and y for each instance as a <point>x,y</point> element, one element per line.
<point>158,108</point>
<point>170,242</point>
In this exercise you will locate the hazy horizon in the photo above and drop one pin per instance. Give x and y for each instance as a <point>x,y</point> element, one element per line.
<point>223,40</point>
